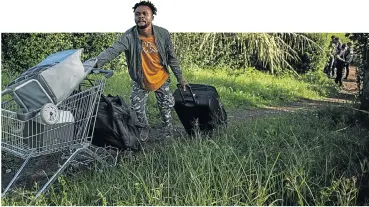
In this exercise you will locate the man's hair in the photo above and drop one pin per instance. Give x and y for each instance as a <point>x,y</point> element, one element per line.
<point>146,3</point>
<point>332,37</point>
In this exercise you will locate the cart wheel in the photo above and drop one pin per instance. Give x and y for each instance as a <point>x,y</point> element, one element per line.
<point>49,113</point>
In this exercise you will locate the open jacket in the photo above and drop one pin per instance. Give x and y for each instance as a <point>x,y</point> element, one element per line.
<point>130,43</point>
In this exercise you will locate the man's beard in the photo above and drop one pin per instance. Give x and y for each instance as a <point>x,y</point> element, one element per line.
<point>142,27</point>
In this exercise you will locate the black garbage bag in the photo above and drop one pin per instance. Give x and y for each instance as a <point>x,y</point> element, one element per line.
<point>116,124</point>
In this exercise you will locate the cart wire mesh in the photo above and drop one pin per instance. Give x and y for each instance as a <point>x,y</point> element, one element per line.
<point>33,137</point>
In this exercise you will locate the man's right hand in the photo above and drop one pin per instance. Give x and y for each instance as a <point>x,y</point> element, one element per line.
<point>183,84</point>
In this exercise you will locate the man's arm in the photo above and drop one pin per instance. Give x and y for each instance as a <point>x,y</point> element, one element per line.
<point>339,57</point>
<point>112,52</point>
<point>350,56</point>
<point>172,60</point>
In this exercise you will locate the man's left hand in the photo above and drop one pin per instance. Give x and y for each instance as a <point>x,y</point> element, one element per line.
<point>92,62</point>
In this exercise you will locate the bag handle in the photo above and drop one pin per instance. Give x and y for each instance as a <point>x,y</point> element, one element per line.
<point>107,101</point>
<point>190,91</point>
<point>119,100</point>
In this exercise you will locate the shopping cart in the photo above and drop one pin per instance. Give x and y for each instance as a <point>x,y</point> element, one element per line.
<point>61,120</point>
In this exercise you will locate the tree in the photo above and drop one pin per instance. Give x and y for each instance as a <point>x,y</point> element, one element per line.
<point>362,55</point>
<point>268,51</point>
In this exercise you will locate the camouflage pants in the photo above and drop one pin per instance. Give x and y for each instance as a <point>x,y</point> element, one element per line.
<point>164,99</point>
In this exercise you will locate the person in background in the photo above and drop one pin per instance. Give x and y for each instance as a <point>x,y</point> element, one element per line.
<point>349,55</point>
<point>340,65</point>
<point>338,46</point>
<point>338,43</point>
<point>331,57</point>
<point>332,40</point>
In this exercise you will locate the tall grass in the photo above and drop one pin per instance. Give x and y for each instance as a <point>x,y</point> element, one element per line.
<point>311,158</point>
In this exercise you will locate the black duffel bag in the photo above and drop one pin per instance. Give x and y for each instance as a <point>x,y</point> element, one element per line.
<point>116,125</point>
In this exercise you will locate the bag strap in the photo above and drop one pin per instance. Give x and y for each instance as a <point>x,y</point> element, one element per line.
<point>106,100</point>
<point>109,108</point>
<point>118,99</point>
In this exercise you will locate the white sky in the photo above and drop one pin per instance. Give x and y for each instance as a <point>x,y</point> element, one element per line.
<point>186,15</point>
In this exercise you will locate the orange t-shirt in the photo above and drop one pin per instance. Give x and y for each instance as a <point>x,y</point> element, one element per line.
<point>154,74</point>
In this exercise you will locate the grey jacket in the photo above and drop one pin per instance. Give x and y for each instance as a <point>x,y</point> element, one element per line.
<point>130,43</point>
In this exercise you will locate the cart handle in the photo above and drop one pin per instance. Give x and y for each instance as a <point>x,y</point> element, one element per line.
<point>108,73</point>
<point>190,91</point>
<point>6,91</point>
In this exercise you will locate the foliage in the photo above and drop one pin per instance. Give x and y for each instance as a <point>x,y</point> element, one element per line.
<point>21,51</point>
<point>315,57</point>
<point>362,52</point>
<point>342,36</point>
<point>320,83</point>
<point>268,51</point>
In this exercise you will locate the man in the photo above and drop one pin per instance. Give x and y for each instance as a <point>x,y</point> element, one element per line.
<point>333,41</point>
<point>340,64</point>
<point>349,55</point>
<point>338,46</point>
<point>338,43</point>
<point>149,52</point>
<point>331,57</point>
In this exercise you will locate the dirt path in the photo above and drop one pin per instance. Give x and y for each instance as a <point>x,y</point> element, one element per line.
<point>345,96</point>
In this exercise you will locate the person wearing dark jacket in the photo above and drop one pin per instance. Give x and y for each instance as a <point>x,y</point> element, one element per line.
<point>349,55</point>
<point>149,54</point>
<point>340,65</point>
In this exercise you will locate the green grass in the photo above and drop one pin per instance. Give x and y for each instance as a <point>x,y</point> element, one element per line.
<point>252,88</point>
<point>312,158</point>
<point>238,89</point>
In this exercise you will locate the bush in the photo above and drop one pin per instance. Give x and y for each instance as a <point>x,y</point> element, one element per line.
<point>313,58</point>
<point>321,83</point>
<point>204,50</point>
<point>22,51</point>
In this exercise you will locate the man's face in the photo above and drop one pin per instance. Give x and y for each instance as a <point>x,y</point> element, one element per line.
<point>143,17</point>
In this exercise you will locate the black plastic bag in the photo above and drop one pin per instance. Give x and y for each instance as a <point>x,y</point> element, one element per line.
<point>116,124</point>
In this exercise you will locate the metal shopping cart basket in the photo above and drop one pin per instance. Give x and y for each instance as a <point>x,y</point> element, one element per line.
<point>52,108</point>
